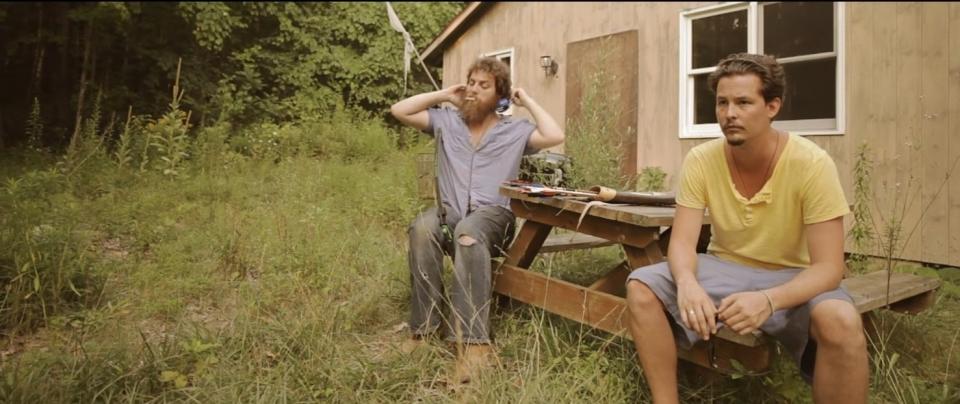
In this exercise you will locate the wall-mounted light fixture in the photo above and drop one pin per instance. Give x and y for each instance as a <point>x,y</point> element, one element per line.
<point>549,65</point>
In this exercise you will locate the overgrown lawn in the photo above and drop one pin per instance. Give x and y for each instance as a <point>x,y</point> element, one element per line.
<point>279,274</point>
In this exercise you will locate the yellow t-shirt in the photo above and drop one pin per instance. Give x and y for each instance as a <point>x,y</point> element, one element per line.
<point>767,231</point>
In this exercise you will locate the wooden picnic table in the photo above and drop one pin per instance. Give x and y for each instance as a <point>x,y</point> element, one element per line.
<point>638,230</point>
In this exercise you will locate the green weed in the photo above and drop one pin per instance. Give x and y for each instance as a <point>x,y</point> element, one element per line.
<point>593,142</point>
<point>279,275</point>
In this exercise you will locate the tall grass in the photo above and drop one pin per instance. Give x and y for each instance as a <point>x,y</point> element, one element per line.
<point>272,268</point>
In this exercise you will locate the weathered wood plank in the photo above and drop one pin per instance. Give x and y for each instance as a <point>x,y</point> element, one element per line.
<point>869,291</point>
<point>573,241</point>
<point>608,313</point>
<point>525,246</point>
<point>650,216</point>
<point>575,302</point>
<point>612,58</point>
<point>720,356</point>
<point>614,282</point>
<point>953,113</point>
<point>884,140</point>
<point>909,125</point>
<point>915,304</point>
<point>934,81</point>
<point>570,300</point>
<point>620,232</point>
<point>599,310</point>
<point>641,257</point>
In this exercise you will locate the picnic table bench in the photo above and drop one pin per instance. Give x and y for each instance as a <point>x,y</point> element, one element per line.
<point>640,232</point>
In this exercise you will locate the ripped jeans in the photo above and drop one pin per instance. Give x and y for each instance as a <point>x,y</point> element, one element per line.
<point>485,233</point>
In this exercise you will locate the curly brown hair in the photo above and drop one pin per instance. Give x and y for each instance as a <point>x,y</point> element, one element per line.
<point>496,68</point>
<point>766,67</point>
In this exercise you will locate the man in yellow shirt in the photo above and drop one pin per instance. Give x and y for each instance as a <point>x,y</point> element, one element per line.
<point>775,258</point>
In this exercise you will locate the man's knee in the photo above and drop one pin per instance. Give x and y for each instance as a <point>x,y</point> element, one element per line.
<point>468,235</point>
<point>423,228</point>
<point>640,299</point>
<point>466,240</point>
<point>836,323</point>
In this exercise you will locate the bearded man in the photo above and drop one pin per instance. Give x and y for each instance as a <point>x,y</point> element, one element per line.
<point>478,150</point>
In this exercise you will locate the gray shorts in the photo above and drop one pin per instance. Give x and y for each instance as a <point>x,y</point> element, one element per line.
<point>721,278</point>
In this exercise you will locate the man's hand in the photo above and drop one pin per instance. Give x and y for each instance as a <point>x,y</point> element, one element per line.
<point>455,94</point>
<point>744,312</point>
<point>520,97</point>
<point>696,309</point>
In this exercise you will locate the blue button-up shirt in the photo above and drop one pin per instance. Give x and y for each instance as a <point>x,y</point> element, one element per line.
<point>470,177</point>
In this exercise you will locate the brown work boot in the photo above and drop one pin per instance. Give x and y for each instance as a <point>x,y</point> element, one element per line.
<point>473,359</point>
<point>412,344</point>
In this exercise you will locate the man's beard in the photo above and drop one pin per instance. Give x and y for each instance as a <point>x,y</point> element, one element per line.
<point>734,140</point>
<point>475,111</point>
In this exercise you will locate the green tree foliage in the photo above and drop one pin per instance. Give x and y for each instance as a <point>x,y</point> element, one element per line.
<point>243,63</point>
<point>300,60</point>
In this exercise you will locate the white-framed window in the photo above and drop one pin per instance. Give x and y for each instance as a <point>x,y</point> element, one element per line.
<point>505,56</point>
<point>805,37</point>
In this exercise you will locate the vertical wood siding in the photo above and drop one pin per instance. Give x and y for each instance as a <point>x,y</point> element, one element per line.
<point>902,83</point>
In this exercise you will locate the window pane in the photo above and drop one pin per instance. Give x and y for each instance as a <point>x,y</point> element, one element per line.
<point>802,28</point>
<point>811,90</point>
<point>704,101</point>
<point>717,36</point>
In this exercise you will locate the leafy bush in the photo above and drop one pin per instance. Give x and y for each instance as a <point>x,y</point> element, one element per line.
<point>351,135</point>
<point>651,179</point>
<point>168,136</point>
<point>260,142</point>
<point>210,148</point>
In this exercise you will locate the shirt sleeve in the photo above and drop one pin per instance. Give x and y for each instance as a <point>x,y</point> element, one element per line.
<point>692,193</point>
<point>823,197</point>
<point>436,118</point>
<point>528,129</point>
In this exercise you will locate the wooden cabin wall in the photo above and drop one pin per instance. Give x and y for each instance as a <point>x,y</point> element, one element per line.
<point>902,96</point>
<point>903,89</point>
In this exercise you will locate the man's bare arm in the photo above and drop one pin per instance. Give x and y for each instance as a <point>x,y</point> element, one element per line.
<point>825,243</point>
<point>682,258</point>
<point>746,311</point>
<point>682,253</point>
<point>548,133</point>
<point>412,111</point>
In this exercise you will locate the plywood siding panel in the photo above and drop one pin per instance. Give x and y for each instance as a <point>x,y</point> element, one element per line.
<point>883,130</point>
<point>658,134</point>
<point>884,137</point>
<point>906,195</point>
<point>953,87</point>
<point>603,71</point>
<point>934,130</point>
<point>835,146</point>
<point>859,71</point>
<point>878,120</point>
<point>647,71</point>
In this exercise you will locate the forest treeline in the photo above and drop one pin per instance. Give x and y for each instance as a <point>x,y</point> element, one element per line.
<point>242,63</point>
